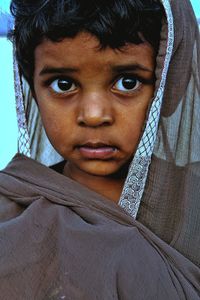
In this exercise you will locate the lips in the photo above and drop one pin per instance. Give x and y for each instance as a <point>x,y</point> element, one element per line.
<point>97,150</point>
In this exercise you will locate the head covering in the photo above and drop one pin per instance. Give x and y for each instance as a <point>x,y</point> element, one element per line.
<point>163,183</point>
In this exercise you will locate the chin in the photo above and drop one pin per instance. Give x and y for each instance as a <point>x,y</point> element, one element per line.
<point>105,169</point>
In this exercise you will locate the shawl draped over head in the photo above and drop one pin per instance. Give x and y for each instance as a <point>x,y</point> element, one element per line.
<point>59,240</point>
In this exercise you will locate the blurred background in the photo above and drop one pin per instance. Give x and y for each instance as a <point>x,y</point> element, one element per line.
<point>8,122</point>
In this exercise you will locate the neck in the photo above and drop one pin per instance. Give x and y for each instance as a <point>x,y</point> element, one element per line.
<point>109,187</point>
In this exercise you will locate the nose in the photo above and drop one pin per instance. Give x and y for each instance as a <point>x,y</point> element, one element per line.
<point>95,110</point>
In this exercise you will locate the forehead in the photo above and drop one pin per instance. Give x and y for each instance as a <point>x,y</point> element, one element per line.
<point>84,50</point>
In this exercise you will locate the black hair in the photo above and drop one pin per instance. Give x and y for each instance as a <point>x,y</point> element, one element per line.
<point>114,22</point>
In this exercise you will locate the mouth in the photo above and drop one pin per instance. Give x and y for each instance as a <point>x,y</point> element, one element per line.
<point>97,150</point>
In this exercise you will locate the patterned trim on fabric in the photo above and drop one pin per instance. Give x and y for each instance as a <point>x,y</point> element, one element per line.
<point>135,183</point>
<point>23,136</point>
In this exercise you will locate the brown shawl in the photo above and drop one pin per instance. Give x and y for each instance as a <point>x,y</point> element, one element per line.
<point>60,240</point>
<point>170,205</point>
<point>169,201</point>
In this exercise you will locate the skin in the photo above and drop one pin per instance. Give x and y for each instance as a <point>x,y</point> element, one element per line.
<point>90,116</point>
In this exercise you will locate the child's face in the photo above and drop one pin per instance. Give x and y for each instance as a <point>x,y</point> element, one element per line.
<point>93,102</point>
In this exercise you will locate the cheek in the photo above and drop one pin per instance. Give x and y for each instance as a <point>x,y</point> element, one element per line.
<point>49,119</point>
<point>133,123</point>
<point>131,134</point>
<point>55,124</point>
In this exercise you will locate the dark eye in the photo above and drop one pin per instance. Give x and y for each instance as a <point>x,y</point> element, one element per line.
<point>61,86</point>
<point>127,84</point>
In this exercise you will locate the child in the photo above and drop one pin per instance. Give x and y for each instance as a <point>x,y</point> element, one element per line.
<point>99,73</point>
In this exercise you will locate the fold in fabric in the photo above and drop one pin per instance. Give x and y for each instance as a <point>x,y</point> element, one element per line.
<point>170,201</point>
<point>59,240</point>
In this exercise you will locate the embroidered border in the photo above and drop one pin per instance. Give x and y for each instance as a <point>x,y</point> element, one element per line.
<point>135,183</point>
<point>23,136</point>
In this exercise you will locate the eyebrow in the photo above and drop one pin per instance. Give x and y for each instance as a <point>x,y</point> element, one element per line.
<point>52,70</point>
<point>131,67</point>
<point>116,69</point>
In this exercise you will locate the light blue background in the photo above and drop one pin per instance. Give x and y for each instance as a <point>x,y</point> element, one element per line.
<point>8,123</point>
<point>196,6</point>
